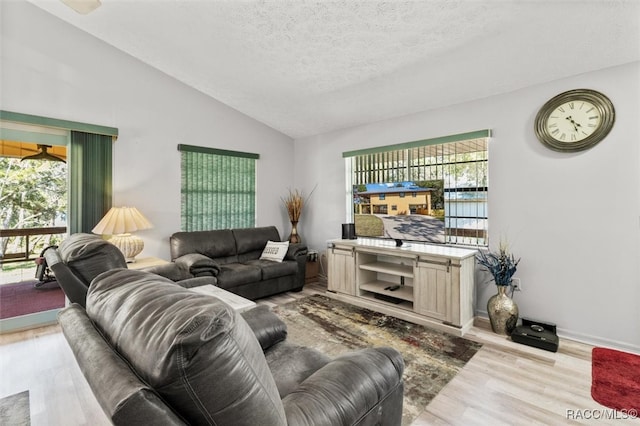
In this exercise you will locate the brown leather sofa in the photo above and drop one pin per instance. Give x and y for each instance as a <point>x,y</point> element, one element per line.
<point>158,354</point>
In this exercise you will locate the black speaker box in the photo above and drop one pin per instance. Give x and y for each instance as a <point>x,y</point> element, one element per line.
<point>349,231</point>
<point>537,334</point>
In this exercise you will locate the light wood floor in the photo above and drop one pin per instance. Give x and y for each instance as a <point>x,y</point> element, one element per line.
<point>503,384</point>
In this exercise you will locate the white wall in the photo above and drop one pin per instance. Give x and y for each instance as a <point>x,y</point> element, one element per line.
<point>52,69</point>
<point>574,219</point>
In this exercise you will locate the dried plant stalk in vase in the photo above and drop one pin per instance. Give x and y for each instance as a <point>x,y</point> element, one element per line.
<point>294,204</point>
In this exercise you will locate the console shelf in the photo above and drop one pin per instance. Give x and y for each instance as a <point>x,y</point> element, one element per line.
<point>378,287</point>
<point>436,282</point>
<point>389,268</point>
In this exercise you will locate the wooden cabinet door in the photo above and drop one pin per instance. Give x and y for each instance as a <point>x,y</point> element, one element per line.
<point>432,290</point>
<point>342,268</point>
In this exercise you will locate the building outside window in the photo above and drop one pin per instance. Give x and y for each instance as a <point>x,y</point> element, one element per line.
<point>448,181</point>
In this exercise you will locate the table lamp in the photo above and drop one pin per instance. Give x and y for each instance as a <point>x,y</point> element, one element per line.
<point>119,222</point>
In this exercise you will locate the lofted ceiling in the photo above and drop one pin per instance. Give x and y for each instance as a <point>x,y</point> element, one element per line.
<point>311,67</point>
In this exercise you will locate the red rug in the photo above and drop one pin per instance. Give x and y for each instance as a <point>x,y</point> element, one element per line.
<point>23,298</point>
<point>615,379</point>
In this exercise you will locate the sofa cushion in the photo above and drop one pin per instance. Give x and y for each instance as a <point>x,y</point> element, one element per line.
<point>193,349</point>
<point>274,269</point>
<point>250,242</point>
<point>235,274</point>
<point>219,244</point>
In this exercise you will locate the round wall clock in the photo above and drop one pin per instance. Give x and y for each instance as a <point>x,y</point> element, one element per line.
<point>575,120</point>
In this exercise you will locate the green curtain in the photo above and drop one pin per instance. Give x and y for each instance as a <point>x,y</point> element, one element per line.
<point>218,188</point>
<point>90,181</point>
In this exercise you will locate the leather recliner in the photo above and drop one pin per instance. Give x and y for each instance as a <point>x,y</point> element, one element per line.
<point>155,353</point>
<point>81,257</point>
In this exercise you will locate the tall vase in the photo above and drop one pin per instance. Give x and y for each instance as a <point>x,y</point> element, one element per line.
<point>294,237</point>
<point>503,312</point>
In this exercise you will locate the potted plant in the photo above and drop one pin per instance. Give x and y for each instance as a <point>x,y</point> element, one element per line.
<point>502,310</point>
<point>294,203</point>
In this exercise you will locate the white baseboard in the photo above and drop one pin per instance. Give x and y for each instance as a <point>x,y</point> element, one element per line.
<point>25,322</point>
<point>584,338</point>
<point>598,341</point>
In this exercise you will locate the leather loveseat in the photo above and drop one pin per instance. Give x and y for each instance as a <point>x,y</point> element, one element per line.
<point>158,354</point>
<point>232,256</point>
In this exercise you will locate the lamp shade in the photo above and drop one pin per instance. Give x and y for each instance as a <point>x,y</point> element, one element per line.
<point>121,220</point>
<point>83,6</point>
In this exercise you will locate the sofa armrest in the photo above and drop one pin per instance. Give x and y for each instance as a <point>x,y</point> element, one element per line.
<point>74,288</point>
<point>359,384</point>
<point>296,250</point>
<point>198,264</point>
<point>268,328</point>
<point>173,271</point>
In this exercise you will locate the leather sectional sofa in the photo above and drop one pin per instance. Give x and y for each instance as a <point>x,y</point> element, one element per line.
<point>232,256</point>
<point>156,353</point>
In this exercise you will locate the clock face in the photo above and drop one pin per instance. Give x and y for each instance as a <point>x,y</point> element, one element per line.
<point>574,120</point>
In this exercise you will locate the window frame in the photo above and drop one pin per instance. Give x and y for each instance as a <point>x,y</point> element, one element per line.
<point>388,164</point>
<point>215,195</point>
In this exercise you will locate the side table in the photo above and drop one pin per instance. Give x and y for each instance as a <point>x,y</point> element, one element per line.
<point>238,303</point>
<point>311,272</point>
<point>312,267</point>
<point>145,262</point>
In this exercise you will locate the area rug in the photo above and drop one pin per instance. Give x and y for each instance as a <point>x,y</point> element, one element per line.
<point>24,298</point>
<point>14,410</point>
<point>431,358</point>
<point>615,379</point>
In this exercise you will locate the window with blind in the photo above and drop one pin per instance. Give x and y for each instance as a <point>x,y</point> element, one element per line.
<point>218,188</point>
<point>432,190</point>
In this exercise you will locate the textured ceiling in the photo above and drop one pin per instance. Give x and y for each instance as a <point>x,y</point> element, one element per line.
<point>310,67</point>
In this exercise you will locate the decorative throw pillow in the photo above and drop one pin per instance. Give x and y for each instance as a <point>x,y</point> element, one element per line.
<point>275,251</point>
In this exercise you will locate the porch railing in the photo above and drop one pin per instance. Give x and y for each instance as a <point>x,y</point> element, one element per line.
<point>26,255</point>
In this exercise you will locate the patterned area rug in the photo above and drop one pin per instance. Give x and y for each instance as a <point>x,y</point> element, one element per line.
<point>14,410</point>
<point>431,358</point>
